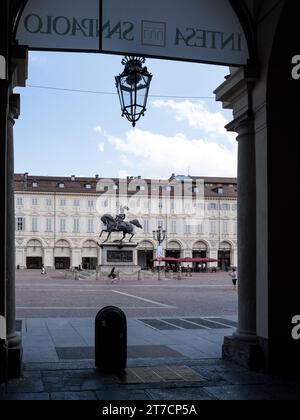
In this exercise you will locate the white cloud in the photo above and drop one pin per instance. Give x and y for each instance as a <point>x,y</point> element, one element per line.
<point>98,130</point>
<point>198,116</point>
<point>123,174</point>
<point>101,147</point>
<point>125,161</point>
<point>212,152</point>
<point>157,155</point>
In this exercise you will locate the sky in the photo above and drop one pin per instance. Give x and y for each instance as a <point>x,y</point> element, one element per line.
<point>64,133</point>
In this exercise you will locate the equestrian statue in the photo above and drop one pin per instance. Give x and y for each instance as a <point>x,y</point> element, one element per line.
<point>118,224</point>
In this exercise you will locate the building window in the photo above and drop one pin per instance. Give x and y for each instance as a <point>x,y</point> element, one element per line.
<point>213,206</point>
<point>34,202</point>
<point>91,204</point>
<point>90,226</point>
<point>235,228</point>
<point>62,225</point>
<point>20,224</point>
<point>200,229</point>
<point>200,206</point>
<point>63,203</point>
<point>225,228</point>
<point>61,185</point>
<point>34,224</point>
<point>20,201</point>
<point>213,228</point>
<point>225,207</point>
<point>34,184</point>
<point>76,203</point>
<point>48,225</point>
<point>188,229</point>
<point>76,225</point>
<point>234,207</point>
<point>160,223</point>
<point>88,186</point>
<point>174,226</point>
<point>146,226</point>
<point>49,202</point>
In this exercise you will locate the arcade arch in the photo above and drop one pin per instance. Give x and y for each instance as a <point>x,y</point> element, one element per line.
<point>258,119</point>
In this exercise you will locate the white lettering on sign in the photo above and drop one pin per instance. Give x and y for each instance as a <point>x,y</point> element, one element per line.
<point>194,30</point>
<point>60,25</point>
<point>191,30</point>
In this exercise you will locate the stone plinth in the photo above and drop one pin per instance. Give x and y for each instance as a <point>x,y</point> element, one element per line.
<point>122,256</point>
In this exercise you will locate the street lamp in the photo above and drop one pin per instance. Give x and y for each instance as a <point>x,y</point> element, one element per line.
<point>159,235</point>
<point>133,88</point>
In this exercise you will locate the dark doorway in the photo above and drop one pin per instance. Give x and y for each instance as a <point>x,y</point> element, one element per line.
<point>173,253</point>
<point>224,258</point>
<point>145,259</point>
<point>62,263</point>
<point>197,266</point>
<point>89,263</point>
<point>34,263</point>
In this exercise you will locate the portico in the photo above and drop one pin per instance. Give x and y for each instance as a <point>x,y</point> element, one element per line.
<point>265,102</point>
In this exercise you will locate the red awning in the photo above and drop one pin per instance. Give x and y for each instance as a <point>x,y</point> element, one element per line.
<point>187,259</point>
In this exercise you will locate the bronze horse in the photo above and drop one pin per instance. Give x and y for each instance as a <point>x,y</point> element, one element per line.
<point>115,225</point>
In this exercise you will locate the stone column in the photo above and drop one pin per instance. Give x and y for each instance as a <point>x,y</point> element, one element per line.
<point>13,339</point>
<point>246,230</point>
<point>243,346</point>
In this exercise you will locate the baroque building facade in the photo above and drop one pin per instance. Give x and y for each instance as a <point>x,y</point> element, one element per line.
<point>58,219</point>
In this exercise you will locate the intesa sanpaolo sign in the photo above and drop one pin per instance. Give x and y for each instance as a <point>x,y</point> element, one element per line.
<point>190,30</point>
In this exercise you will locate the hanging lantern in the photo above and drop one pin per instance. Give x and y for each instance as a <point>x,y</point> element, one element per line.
<point>133,88</point>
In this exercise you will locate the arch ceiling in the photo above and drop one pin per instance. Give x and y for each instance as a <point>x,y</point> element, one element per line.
<point>209,31</point>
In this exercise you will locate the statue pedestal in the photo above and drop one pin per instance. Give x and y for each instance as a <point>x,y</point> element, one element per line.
<point>122,256</point>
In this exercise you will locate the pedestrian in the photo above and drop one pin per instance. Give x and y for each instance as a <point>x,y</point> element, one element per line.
<point>43,270</point>
<point>233,275</point>
<point>112,274</point>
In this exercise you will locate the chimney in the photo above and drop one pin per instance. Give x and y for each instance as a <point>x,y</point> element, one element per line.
<point>73,177</point>
<point>25,180</point>
<point>97,176</point>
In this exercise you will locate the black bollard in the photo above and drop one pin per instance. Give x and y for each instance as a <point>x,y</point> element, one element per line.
<point>111,340</point>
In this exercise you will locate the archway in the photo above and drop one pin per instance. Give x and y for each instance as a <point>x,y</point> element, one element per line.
<point>225,256</point>
<point>5,88</point>
<point>174,250</point>
<point>34,254</point>
<point>200,250</point>
<point>90,255</point>
<point>62,255</point>
<point>145,255</point>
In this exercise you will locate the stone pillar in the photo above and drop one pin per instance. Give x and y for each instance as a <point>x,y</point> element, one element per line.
<point>246,229</point>
<point>13,339</point>
<point>243,346</point>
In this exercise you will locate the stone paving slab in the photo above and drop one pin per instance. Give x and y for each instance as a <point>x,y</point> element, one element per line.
<point>74,396</point>
<point>43,396</point>
<point>186,394</point>
<point>255,392</point>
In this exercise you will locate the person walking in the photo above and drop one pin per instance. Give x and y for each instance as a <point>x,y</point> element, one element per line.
<point>233,275</point>
<point>112,275</point>
<point>43,270</point>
